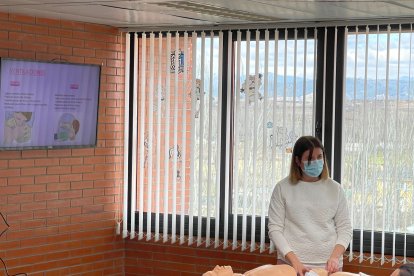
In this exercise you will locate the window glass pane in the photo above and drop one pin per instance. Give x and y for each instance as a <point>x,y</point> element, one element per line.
<point>377,167</point>
<point>169,116</point>
<point>283,116</point>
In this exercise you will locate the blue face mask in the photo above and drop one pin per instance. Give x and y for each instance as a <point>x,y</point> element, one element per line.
<point>313,168</point>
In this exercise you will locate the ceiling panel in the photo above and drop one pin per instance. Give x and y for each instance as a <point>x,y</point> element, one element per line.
<point>144,13</point>
<point>379,9</point>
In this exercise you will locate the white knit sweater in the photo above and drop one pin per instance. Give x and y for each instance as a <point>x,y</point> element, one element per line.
<point>309,218</point>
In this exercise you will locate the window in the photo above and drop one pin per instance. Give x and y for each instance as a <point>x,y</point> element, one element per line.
<point>215,115</point>
<point>377,156</point>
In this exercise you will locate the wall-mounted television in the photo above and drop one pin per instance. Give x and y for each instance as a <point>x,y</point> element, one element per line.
<point>48,104</point>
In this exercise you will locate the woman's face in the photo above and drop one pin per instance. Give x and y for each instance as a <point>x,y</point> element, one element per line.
<point>317,154</point>
<point>20,118</point>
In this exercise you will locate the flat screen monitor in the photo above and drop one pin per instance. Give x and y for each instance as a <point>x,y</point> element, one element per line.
<point>48,104</point>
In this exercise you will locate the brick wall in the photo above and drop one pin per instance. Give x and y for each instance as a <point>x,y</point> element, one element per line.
<point>62,204</point>
<point>158,258</point>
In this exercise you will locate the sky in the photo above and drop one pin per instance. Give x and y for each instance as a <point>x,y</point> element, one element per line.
<point>400,56</point>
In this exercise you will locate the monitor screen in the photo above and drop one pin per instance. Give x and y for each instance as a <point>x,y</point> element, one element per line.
<point>48,105</point>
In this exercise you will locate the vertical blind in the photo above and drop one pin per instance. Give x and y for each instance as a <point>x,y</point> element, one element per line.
<point>182,81</point>
<point>377,167</point>
<point>177,110</point>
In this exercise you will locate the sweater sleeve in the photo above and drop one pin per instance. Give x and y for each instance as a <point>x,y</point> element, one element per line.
<point>276,225</point>
<point>343,221</point>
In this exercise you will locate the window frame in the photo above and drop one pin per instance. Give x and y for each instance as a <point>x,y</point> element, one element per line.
<point>332,144</point>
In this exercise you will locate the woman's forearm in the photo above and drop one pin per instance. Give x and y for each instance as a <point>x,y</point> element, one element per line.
<point>338,251</point>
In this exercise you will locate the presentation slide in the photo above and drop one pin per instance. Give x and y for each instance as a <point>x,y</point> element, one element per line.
<point>48,104</point>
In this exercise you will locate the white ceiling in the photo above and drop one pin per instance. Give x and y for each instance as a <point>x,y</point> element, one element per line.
<point>143,14</point>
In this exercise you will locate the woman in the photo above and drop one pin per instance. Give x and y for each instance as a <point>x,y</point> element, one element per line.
<point>308,215</point>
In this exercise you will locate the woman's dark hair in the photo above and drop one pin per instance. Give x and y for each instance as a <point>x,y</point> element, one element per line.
<point>303,144</point>
<point>406,270</point>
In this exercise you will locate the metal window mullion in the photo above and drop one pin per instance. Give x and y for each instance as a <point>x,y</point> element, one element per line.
<point>227,146</point>
<point>126,136</point>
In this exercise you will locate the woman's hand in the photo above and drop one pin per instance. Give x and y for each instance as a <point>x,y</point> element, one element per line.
<point>296,264</point>
<point>332,265</point>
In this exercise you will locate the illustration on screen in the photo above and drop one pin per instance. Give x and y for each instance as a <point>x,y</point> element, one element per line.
<point>68,127</point>
<point>18,127</point>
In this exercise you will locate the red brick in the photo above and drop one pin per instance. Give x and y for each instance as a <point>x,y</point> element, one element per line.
<point>58,203</point>
<point>70,177</point>
<point>21,163</point>
<point>71,161</point>
<point>21,18</point>
<point>70,194</point>
<point>83,52</point>
<point>35,29</point>
<point>26,37</point>
<point>73,25</point>
<point>10,172</point>
<point>52,187</point>
<point>70,211</point>
<point>33,206</point>
<point>46,178</point>
<point>9,190</point>
<point>81,201</point>
<point>24,54</point>
<point>48,22</point>
<point>60,32</point>
<point>93,192</point>
<point>48,40</point>
<point>73,59</point>
<point>38,188</point>
<point>60,50</point>
<point>47,162</point>
<point>33,171</point>
<point>24,180</point>
<point>4,164</point>
<point>58,169</point>
<point>46,196</point>
<point>45,213</point>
